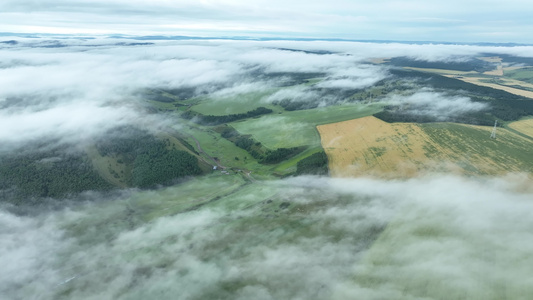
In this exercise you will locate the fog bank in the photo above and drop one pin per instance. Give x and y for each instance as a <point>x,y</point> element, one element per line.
<point>433,238</point>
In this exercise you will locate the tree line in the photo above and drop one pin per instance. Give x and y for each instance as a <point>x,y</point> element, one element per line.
<point>216,120</point>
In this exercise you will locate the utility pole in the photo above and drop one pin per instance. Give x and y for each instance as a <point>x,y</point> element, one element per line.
<point>493,134</point>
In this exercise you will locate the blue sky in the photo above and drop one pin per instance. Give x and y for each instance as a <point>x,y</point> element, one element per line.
<point>413,20</point>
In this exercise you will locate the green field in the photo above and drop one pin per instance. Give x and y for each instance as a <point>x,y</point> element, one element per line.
<point>524,74</point>
<point>225,151</point>
<point>473,147</point>
<point>297,128</point>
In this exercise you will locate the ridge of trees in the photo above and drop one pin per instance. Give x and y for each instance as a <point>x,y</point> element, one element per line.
<point>280,154</point>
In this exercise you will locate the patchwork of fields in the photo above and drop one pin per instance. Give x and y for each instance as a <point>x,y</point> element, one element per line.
<point>371,147</point>
<point>297,128</point>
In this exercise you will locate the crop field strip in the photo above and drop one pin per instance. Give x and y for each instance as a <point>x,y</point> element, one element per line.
<point>523,126</point>
<point>512,90</point>
<point>515,80</point>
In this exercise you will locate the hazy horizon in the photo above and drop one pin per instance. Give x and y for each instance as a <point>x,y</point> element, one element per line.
<point>414,20</point>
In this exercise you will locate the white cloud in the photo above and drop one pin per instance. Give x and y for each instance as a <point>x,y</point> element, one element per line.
<point>87,85</point>
<point>444,236</point>
<point>426,102</point>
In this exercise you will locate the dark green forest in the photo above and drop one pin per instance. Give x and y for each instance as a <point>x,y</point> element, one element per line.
<point>50,169</point>
<point>47,173</point>
<point>160,166</point>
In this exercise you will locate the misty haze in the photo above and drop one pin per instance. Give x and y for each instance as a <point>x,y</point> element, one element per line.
<point>225,150</point>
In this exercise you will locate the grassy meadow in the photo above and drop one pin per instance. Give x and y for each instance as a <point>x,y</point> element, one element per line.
<point>298,128</point>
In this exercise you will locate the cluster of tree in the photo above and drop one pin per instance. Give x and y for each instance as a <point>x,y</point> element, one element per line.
<point>52,173</point>
<point>291,105</point>
<point>508,109</point>
<point>158,165</point>
<point>316,164</point>
<point>153,162</point>
<point>392,116</point>
<point>216,120</point>
<point>187,145</point>
<point>250,145</point>
<point>472,64</point>
<point>228,132</point>
<point>280,154</point>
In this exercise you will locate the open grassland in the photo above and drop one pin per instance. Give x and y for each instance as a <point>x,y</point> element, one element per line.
<point>371,147</point>
<point>187,196</point>
<point>241,103</point>
<point>523,126</point>
<point>218,147</point>
<point>297,128</point>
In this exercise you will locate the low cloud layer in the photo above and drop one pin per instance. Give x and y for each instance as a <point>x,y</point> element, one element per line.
<point>435,237</point>
<point>74,88</point>
<point>440,106</point>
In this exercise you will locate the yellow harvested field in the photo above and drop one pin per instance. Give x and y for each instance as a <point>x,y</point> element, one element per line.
<point>477,80</point>
<point>371,147</point>
<point>523,126</point>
